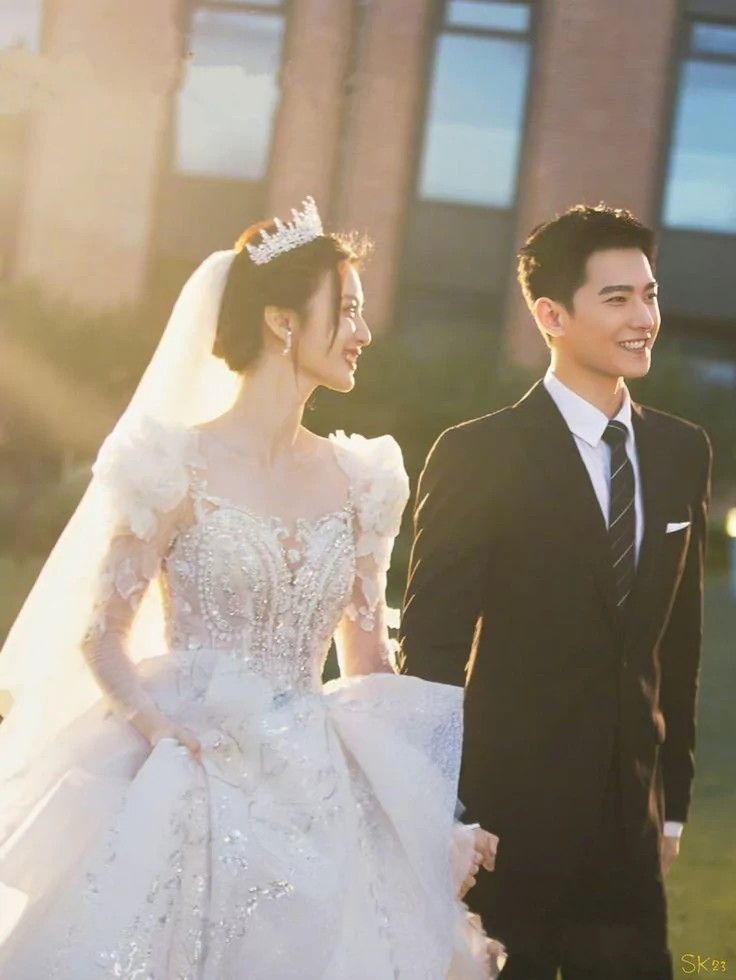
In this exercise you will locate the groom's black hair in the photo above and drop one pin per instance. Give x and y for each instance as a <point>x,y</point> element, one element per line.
<point>553,258</point>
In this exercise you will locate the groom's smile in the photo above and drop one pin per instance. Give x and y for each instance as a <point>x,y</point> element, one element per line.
<point>614,318</point>
<point>634,345</point>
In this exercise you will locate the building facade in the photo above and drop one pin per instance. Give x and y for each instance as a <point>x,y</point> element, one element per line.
<point>138,137</point>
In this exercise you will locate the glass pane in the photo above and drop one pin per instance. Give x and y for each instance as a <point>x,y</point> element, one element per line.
<point>495,16</point>
<point>475,120</point>
<point>20,23</point>
<point>714,38</point>
<point>228,100</point>
<point>701,189</point>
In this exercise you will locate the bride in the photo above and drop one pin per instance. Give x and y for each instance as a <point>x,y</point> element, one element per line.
<point>220,814</point>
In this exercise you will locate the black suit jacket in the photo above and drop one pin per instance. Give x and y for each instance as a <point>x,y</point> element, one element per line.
<point>511,592</point>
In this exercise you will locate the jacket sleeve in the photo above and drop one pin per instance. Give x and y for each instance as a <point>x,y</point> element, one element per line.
<point>448,566</point>
<point>680,650</point>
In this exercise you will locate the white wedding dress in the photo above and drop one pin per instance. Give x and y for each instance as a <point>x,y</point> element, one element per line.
<point>315,839</point>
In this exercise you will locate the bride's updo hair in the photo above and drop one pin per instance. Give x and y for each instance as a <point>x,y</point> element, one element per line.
<point>288,281</point>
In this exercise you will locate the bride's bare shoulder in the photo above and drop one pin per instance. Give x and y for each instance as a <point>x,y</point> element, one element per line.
<point>213,427</point>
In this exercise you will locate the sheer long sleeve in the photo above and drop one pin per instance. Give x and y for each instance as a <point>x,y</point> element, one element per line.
<point>146,481</point>
<point>129,567</point>
<point>380,490</point>
<point>363,642</point>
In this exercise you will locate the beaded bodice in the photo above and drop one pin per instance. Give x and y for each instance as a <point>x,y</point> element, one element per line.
<point>241,591</point>
<point>266,594</point>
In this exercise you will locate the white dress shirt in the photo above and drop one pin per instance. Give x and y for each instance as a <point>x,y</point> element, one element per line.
<point>587,425</point>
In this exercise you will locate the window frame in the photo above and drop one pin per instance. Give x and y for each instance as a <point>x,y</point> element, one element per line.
<point>39,40</point>
<point>440,26</point>
<point>505,218</point>
<point>189,10</point>
<point>445,27</point>
<point>685,52</point>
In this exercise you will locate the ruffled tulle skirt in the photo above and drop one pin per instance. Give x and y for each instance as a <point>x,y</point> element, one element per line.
<point>311,841</point>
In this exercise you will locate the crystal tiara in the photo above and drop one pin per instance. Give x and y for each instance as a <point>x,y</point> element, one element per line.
<point>304,228</point>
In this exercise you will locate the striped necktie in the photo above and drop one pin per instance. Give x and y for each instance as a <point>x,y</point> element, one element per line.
<point>622,512</point>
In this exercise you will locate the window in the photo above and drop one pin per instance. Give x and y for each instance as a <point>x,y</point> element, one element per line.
<point>701,184</point>
<point>460,224</point>
<point>20,23</point>
<point>229,96</point>
<point>476,104</point>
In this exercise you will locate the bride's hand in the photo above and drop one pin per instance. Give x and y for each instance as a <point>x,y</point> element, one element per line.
<point>154,727</point>
<point>486,845</point>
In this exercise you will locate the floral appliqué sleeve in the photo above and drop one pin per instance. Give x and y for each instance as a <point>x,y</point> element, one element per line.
<point>379,490</point>
<point>145,478</point>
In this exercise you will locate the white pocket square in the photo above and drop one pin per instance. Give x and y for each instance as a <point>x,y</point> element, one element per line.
<point>677,526</point>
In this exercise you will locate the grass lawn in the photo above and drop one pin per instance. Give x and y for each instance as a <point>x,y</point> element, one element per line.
<point>702,884</point>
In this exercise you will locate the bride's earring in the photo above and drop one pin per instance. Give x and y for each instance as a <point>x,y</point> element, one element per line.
<point>287,345</point>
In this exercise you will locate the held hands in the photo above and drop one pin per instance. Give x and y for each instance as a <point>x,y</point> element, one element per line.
<point>668,852</point>
<point>154,727</point>
<point>484,855</point>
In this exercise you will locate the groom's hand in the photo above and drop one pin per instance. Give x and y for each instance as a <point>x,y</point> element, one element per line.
<point>669,851</point>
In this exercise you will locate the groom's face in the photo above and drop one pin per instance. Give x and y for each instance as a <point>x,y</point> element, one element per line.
<point>615,315</point>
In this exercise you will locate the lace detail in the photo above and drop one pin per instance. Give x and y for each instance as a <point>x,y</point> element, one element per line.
<point>375,468</point>
<point>145,478</point>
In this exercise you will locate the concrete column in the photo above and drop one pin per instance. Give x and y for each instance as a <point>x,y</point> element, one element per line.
<point>386,118</point>
<point>307,130</point>
<point>95,147</point>
<point>597,121</point>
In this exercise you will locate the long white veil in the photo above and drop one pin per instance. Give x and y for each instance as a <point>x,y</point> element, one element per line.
<point>41,663</point>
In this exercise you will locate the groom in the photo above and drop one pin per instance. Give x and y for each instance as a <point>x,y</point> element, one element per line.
<point>557,572</point>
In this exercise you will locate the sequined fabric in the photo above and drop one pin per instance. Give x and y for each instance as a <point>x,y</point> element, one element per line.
<point>312,840</point>
<point>244,586</point>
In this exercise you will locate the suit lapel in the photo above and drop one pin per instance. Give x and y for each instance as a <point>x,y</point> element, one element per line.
<point>567,481</point>
<point>653,473</point>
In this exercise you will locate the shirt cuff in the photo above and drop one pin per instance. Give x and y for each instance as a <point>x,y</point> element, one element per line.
<point>672,828</point>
